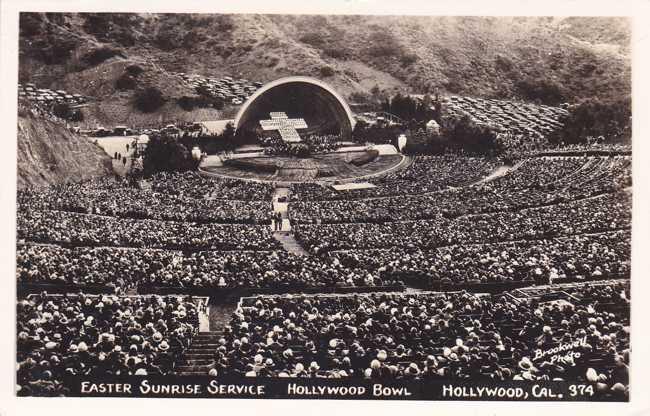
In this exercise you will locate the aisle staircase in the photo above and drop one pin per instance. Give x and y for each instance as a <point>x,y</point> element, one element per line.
<point>289,243</point>
<point>198,359</point>
<point>285,237</point>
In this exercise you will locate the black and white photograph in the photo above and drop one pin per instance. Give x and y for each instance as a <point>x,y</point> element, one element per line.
<point>323,206</point>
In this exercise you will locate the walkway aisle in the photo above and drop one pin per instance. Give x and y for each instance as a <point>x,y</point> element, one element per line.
<point>284,235</point>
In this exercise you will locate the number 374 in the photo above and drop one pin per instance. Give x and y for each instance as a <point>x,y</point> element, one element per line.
<point>581,390</point>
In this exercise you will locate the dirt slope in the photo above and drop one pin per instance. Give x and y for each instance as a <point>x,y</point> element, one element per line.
<point>49,153</point>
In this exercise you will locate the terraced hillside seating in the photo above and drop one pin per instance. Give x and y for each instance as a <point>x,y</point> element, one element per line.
<point>75,229</point>
<point>126,268</point>
<point>80,335</point>
<point>532,182</point>
<point>432,335</point>
<point>117,198</point>
<point>609,212</point>
<point>425,174</point>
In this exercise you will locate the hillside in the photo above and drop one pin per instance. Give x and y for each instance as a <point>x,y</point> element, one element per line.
<point>48,153</point>
<point>550,60</point>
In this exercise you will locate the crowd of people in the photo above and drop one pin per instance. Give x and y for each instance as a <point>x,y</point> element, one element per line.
<point>74,229</point>
<point>192,184</point>
<point>425,174</point>
<point>578,258</point>
<point>125,268</point>
<point>542,220</point>
<point>81,335</point>
<point>117,198</point>
<point>519,146</point>
<point>535,182</point>
<point>433,336</point>
<point>605,213</point>
<point>315,144</point>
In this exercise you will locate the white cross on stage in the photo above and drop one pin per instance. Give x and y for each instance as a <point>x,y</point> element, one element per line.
<point>284,125</point>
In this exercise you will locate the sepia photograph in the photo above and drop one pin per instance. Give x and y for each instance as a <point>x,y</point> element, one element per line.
<point>323,206</point>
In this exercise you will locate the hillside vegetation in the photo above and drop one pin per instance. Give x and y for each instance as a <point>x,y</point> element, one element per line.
<point>548,60</point>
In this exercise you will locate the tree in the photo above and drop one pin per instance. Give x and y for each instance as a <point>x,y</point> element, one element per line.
<point>166,154</point>
<point>359,132</point>
<point>465,134</point>
<point>594,118</point>
<point>228,133</point>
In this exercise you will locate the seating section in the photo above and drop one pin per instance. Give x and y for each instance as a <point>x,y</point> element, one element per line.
<point>79,335</point>
<point>434,335</point>
<point>453,267</point>
<point>531,183</point>
<point>126,268</point>
<point>425,174</point>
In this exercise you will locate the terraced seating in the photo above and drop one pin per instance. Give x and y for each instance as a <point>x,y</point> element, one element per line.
<point>452,335</point>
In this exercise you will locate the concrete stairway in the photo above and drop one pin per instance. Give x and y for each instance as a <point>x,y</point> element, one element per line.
<point>289,243</point>
<point>199,358</point>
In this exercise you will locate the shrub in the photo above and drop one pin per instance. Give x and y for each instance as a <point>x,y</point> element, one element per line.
<point>134,70</point>
<point>188,103</point>
<point>99,55</point>
<point>313,38</point>
<point>384,44</point>
<point>408,59</point>
<point>30,24</point>
<point>149,99</point>
<point>125,82</point>
<point>224,23</point>
<point>326,71</point>
<point>503,64</point>
<point>123,36</point>
<point>359,97</point>
<point>167,39</point>
<point>98,24</point>
<point>62,110</point>
<point>52,51</point>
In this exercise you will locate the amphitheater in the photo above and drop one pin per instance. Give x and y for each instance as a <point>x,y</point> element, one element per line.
<point>401,266</point>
